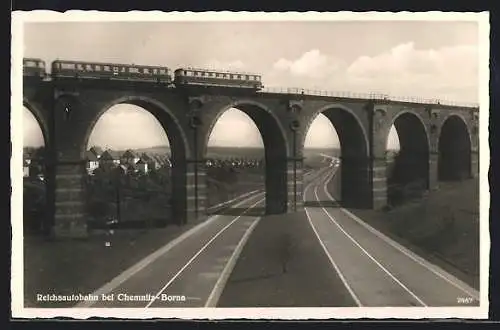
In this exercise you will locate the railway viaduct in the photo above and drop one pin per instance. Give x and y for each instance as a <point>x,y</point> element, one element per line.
<point>437,141</point>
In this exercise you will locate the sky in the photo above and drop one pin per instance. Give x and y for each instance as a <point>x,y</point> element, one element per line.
<point>427,59</point>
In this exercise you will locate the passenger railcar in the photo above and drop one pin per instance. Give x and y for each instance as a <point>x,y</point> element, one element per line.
<point>111,71</point>
<point>34,67</point>
<point>202,77</point>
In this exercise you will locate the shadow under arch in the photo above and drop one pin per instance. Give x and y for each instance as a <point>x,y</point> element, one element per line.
<point>179,146</point>
<point>454,150</point>
<point>275,150</point>
<point>354,184</point>
<point>408,170</point>
<point>40,118</point>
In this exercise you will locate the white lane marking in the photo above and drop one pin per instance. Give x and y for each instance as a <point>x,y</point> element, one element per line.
<point>410,254</point>
<point>199,252</point>
<point>366,252</point>
<point>214,296</point>
<point>232,200</point>
<point>337,269</point>
<point>131,271</point>
<point>211,208</point>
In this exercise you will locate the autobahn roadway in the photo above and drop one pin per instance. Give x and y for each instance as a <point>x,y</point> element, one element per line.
<point>377,271</point>
<point>192,270</point>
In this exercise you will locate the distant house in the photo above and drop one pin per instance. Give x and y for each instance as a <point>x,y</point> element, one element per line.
<point>142,166</point>
<point>151,161</point>
<point>109,158</point>
<point>92,161</point>
<point>168,162</point>
<point>26,168</point>
<point>129,157</point>
<point>97,151</point>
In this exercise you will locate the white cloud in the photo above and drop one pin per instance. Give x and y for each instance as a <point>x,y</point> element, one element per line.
<point>311,65</point>
<point>444,73</point>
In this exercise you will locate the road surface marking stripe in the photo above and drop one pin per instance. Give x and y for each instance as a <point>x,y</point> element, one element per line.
<point>232,200</point>
<point>364,251</point>
<point>337,269</point>
<point>198,253</point>
<point>431,267</point>
<point>228,269</point>
<point>131,271</point>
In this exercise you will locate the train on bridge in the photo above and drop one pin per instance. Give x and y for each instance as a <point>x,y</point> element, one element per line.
<point>181,77</point>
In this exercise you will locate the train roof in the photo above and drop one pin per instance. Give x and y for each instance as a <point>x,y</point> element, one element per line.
<point>32,59</point>
<point>108,63</point>
<point>217,71</point>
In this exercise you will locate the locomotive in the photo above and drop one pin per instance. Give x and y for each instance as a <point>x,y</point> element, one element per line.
<point>202,77</point>
<point>34,67</point>
<point>112,71</point>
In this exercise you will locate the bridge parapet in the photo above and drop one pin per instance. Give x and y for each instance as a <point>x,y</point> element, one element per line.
<point>368,96</point>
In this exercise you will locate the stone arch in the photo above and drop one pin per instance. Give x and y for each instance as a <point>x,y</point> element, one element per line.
<point>454,149</point>
<point>176,135</point>
<point>40,118</point>
<point>276,149</point>
<point>408,171</point>
<point>255,110</point>
<point>348,111</point>
<point>354,185</point>
<point>179,146</point>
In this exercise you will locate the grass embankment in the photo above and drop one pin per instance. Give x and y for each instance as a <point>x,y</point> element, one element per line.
<point>442,227</point>
<point>283,265</point>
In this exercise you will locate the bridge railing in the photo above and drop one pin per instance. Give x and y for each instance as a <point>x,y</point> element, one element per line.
<point>366,96</point>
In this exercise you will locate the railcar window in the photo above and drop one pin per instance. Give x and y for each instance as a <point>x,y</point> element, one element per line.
<point>133,70</point>
<point>67,66</point>
<point>88,67</point>
<point>106,68</point>
<point>162,71</point>
<point>97,67</point>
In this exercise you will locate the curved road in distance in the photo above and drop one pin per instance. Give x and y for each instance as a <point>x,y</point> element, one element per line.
<point>377,271</point>
<point>191,272</point>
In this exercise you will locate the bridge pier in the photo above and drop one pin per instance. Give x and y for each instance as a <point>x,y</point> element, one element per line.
<point>295,184</point>
<point>474,166</point>
<point>356,188</point>
<point>379,183</point>
<point>70,212</point>
<point>433,170</point>
<point>196,190</point>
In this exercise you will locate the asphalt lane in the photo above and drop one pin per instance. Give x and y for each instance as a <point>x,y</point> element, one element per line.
<point>187,273</point>
<point>378,270</point>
